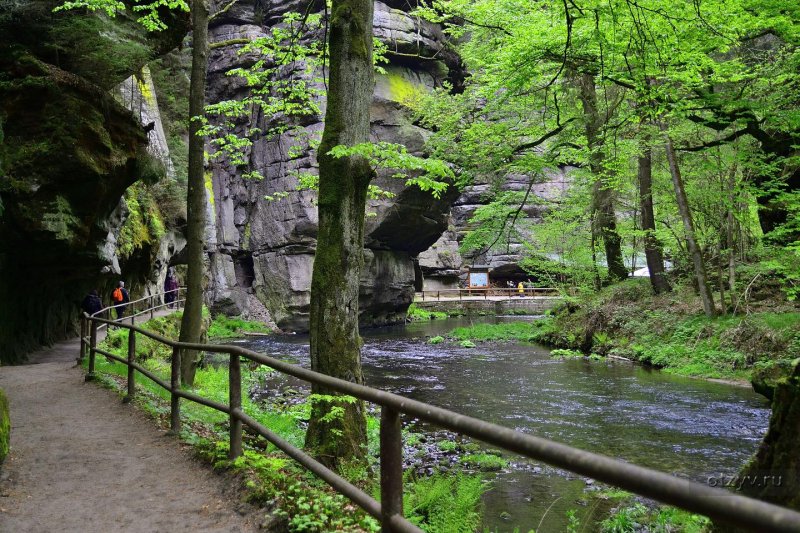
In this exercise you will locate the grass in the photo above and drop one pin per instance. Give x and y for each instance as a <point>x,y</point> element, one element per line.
<point>417,314</point>
<point>223,327</point>
<point>507,331</point>
<point>633,516</point>
<point>484,461</point>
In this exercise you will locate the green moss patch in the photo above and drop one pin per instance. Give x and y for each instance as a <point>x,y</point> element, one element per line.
<point>5,426</point>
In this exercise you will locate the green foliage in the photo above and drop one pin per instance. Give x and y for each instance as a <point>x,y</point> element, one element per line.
<point>624,520</point>
<point>484,461</point>
<point>467,344</point>
<point>573,523</point>
<point>223,327</point>
<point>271,92</point>
<point>438,339</point>
<point>415,313</point>
<point>565,353</point>
<point>665,331</point>
<point>5,426</point>
<point>148,10</point>
<point>445,504</point>
<point>144,225</point>
<point>506,331</point>
<point>435,174</point>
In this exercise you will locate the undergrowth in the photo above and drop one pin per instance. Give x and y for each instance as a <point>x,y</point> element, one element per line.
<point>443,502</point>
<point>668,331</point>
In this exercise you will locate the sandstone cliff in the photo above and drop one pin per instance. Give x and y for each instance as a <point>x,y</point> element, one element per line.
<point>266,247</point>
<point>68,152</point>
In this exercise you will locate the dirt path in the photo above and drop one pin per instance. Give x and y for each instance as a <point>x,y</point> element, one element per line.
<point>81,460</point>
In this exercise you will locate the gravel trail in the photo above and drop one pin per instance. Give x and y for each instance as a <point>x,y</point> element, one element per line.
<point>81,460</point>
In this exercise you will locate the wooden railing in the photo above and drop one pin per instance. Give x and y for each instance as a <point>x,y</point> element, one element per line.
<point>723,506</point>
<point>484,292</point>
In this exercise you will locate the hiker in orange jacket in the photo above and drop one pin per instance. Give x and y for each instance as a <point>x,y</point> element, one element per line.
<point>120,299</point>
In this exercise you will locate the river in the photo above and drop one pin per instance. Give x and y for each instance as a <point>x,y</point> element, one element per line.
<point>690,427</point>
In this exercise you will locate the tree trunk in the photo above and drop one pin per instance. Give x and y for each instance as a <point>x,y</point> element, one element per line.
<point>191,325</point>
<point>343,183</point>
<point>688,226</point>
<point>773,474</point>
<point>605,220</point>
<point>652,247</point>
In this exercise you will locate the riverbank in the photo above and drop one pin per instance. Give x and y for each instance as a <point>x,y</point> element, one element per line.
<point>667,331</point>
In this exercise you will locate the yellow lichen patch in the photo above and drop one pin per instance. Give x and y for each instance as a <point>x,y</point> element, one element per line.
<point>209,187</point>
<point>401,89</point>
<point>143,81</point>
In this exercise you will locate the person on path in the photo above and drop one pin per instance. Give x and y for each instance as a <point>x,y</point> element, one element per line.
<point>170,289</point>
<point>120,299</point>
<point>91,304</point>
<point>521,289</point>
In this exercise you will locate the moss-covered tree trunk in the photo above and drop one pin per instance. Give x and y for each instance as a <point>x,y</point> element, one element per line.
<point>191,326</point>
<point>605,220</point>
<point>688,226</point>
<point>343,183</point>
<point>652,247</point>
<point>773,474</point>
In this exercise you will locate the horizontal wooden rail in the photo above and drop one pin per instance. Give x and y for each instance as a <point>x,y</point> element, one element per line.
<point>151,306</point>
<point>485,293</point>
<point>716,503</point>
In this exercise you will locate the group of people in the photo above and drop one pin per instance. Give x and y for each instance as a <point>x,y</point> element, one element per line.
<point>120,297</point>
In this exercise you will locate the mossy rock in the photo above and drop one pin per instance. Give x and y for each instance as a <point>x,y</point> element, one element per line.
<point>5,426</point>
<point>767,376</point>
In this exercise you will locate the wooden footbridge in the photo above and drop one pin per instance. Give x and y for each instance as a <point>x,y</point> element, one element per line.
<point>500,301</point>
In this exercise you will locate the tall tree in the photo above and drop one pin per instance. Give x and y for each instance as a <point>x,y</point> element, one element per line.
<point>192,322</point>
<point>652,247</point>
<point>688,226</point>
<point>343,185</point>
<point>604,220</point>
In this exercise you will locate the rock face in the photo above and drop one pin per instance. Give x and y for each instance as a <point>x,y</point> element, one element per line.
<point>267,248</point>
<point>68,153</point>
<point>444,267</point>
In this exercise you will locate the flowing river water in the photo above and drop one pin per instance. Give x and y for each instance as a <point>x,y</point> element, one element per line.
<point>692,428</point>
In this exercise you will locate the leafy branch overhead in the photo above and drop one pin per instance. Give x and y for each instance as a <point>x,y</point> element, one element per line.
<point>147,9</point>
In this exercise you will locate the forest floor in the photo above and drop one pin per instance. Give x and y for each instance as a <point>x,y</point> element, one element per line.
<point>81,460</point>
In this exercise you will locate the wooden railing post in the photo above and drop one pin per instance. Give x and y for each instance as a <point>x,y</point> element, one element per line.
<point>152,305</point>
<point>175,385</point>
<point>235,397</point>
<point>82,353</point>
<point>92,346</point>
<point>391,467</point>
<point>131,370</point>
